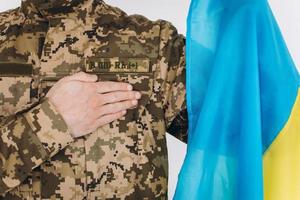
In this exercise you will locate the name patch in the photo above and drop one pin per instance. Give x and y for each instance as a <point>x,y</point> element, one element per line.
<point>117,65</point>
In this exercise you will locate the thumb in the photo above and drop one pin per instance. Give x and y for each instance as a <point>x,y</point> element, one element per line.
<point>84,77</point>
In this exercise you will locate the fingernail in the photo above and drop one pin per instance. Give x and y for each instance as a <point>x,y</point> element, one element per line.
<point>134,102</point>
<point>129,87</point>
<point>124,112</point>
<point>138,95</point>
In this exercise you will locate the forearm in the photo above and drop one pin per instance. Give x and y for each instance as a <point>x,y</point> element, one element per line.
<point>27,140</point>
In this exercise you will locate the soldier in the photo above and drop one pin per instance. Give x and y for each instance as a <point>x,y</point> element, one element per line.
<point>87,94</point>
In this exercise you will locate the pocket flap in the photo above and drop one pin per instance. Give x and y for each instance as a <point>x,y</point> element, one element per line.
<point>14,94</point>
<point>15,69</point>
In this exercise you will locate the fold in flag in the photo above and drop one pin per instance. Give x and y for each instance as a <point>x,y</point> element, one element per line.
<point>243,103</point>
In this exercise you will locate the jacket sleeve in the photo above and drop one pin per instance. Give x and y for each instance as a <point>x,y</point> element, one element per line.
<point>27,140</point>
<point>173,67</point>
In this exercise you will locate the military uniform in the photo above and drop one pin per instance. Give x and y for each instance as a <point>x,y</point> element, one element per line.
<point>126,159</point>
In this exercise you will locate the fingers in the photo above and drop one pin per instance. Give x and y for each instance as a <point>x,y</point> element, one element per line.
<point>109,86</point>
<point>83,77</point>
<point>116,107</point>
<point>106,119</point>
<point>114,97</point>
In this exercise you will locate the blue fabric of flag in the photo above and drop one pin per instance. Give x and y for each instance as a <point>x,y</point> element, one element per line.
<point>241,87</point>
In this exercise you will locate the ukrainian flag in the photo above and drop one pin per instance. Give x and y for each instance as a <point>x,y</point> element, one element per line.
<point>243,103</point>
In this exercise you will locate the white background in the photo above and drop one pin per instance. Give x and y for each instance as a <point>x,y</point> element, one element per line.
<point>287,13</point>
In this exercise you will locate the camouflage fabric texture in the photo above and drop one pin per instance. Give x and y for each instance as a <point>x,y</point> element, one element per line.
<point>44,41</point>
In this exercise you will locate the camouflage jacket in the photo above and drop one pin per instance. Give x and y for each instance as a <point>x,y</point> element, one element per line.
<point>126,159</point>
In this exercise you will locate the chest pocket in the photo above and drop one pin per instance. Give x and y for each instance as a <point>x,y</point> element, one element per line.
<point>140,82</point>
<point>15,82</point>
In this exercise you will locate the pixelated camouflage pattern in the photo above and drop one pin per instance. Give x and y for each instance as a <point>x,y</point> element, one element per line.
<point>126,159</point>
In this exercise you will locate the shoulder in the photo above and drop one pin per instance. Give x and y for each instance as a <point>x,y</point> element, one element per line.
<point>169,32</point>
<point>158,34</point>
<point>9,23</point>
<point>117,18</point>
<point>114,16</point>
<point>9,16</point>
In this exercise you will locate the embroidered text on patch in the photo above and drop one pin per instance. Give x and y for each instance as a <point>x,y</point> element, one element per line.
<point>120,65</point>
